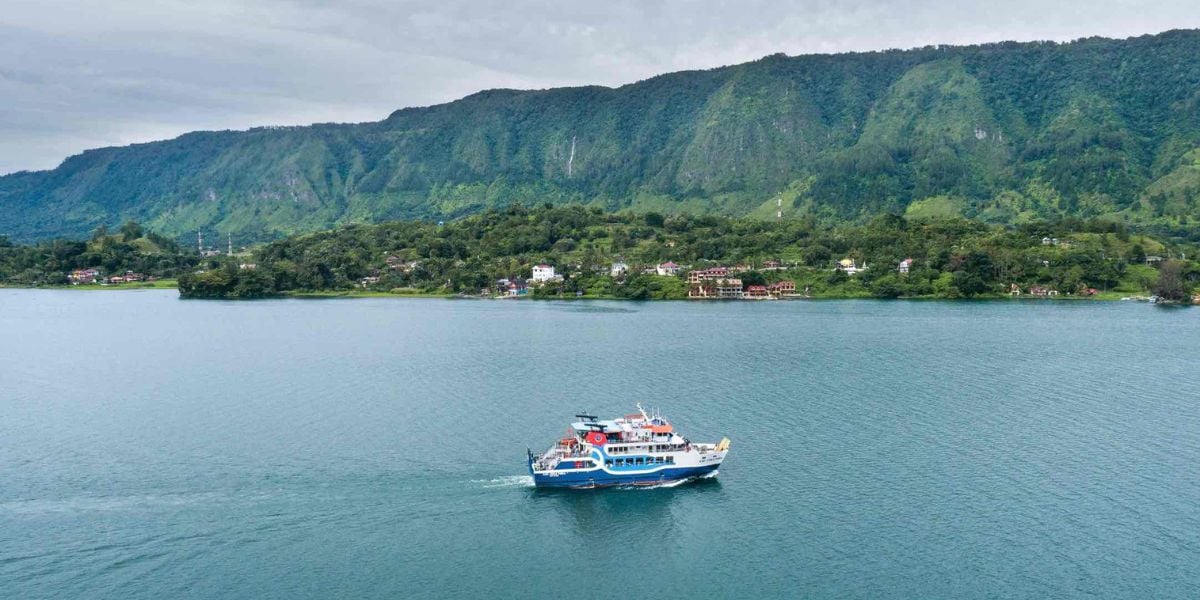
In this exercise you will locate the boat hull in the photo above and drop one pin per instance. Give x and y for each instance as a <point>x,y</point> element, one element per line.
<point>594,478</point>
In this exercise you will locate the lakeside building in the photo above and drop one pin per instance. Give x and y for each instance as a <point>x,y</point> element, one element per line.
<point>512,287</point>
<point>905,266</point>
<point>128,277</point>
<point>79,276</point>
<point>618,269</point>
<point>1042,292</point>
<point>729,288</point>
<point>702,290</point>
<point>368,281</point>
<point>667,269</point>
<point>757,291</point>
<point>543,273</point>
<point>782,288</point>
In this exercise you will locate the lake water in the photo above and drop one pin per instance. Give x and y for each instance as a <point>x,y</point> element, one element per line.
<point>158,448</point>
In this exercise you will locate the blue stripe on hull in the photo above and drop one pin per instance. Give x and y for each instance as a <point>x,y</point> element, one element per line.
<point>599,478</point>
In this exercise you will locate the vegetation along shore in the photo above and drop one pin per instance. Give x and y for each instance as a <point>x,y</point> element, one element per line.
<point>576,251</point>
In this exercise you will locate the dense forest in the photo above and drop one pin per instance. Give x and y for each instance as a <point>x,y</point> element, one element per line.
<point>951,257</point>
<point>1006,133</point>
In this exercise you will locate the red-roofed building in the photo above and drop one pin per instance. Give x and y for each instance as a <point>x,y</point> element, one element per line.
<point>780,288</point>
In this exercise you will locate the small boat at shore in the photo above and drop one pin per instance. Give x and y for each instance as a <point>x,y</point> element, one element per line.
<point>635,450</point>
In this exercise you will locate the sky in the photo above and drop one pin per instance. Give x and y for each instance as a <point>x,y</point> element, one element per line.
<point>79,74</point>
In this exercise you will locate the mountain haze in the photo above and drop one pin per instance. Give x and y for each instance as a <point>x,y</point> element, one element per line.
<point>1004,132</point>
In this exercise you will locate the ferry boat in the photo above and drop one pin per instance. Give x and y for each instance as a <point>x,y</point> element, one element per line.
<point>635,450</point>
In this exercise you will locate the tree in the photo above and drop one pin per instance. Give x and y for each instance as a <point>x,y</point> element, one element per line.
<point>131,231</point>
<point>1171,284</point>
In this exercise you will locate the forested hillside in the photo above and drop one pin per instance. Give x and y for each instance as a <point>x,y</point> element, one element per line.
<point>1006,133</point>
<point>950,258</point>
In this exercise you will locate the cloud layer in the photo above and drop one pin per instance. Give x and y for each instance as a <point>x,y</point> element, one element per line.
<point>80,74</point>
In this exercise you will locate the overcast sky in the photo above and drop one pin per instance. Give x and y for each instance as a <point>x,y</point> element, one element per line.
<point>78,74</point>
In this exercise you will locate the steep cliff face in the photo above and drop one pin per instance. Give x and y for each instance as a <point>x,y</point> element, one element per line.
<point>1005,132</point>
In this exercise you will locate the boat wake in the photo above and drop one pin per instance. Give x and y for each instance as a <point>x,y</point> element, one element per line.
<point>507,481</point>
<point>671,484</point>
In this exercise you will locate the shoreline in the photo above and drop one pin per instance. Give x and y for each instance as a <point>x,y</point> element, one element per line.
<point>170,284</point>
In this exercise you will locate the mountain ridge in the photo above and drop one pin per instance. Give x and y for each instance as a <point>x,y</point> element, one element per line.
<point>1008,131</point>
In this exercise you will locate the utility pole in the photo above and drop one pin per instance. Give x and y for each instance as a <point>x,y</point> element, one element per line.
<point>230,252</point>
<point>200,242</point>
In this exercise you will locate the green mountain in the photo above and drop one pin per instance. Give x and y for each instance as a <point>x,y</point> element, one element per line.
<point>1006,133</point>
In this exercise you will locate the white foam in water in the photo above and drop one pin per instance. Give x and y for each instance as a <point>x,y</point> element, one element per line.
<point>507,481</point>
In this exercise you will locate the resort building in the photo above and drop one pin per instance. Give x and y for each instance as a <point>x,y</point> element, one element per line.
<point>729,288</point>
<point>699,275</point>
<point>782,288</point>
<point>757,291</point>
<point>702,290</point>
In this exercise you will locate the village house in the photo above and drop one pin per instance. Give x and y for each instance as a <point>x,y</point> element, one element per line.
<point>1153,260</point>
<point>739,268</point>
<point>1014,290</point>
<point>396,263</point>
<point>757,291</point>
<point>1049,241</point>
<point>248,266</point>
<point>668,269</point>
<point>1042,292</point>
<point>368,281</point>
<point>905,266</point>
<point>782,288</point>
<point>848,265</point>
<point>512,287</point>
<point>543,273</point>
<point>771,265</point>
<point>79,276</point>
<point>618,269</point>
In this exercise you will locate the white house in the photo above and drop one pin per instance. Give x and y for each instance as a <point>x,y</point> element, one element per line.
<point>905,265</point>
<point>544,272</point>
<point>668,268</point>
<point>618,269</point>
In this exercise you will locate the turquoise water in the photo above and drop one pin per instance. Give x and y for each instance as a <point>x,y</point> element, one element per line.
<point>158,448</point>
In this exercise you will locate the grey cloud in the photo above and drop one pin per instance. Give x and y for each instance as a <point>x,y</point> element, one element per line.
<point>84,73</point>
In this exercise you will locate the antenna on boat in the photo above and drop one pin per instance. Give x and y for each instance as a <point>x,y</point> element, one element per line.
<point>643,411</point>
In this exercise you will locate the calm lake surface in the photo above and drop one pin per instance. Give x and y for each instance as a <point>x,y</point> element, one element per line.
<point>158,448</point>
